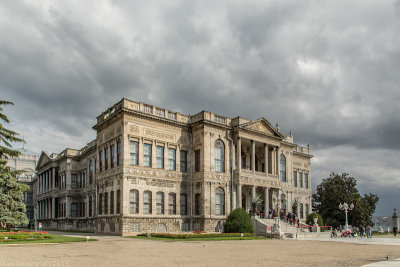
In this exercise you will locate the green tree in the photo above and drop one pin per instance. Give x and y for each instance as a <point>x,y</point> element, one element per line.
<point>238,222</point>
<point>12,207</point>
<point>339,188</point>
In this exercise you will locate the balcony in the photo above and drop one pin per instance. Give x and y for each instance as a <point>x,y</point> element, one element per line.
<point>257,178</point>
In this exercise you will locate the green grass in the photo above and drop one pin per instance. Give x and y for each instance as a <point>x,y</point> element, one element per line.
<point>51,239</point>
<point>70,231</point>
<point>197,239</point>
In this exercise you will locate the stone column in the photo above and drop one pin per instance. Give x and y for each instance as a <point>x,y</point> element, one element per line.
<point>266,158</point>
<point>239,155</point>
<point>54,177</point>
<point>277,163</point>
<point>266,200</point>
<point>253,156</point>
<point>253,192</point>
<point>53,205</point>
<point>239,195</point>
<point>67,207</point>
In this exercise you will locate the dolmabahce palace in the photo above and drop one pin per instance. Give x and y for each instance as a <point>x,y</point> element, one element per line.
<point>154,170</point>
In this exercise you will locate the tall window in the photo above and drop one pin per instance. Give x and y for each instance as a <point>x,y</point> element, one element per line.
<point>133,202</point>
<point>100,203</point>
<point>112,155</point>
<point>172,203</point>
<point>307,210</point>
<point>101,160</point>
<point>220,201</point>
<point>90,206</point>
<point>119,153</point>
<point>133,153</point>
<point>183,204</point>
<point>160,157</point>
<point>283,168</point>
<point>91,171</point>
<point>74,212</point>
<point>160,202</point>
<point>243,160</point>
<point>74,181</point>
<point>147,202</point>
<point>106,158</point>
<point>295,178</point>
<point>183,160</point>
<point>105,203</point>
<point>301,211</point>
<point>306,180</point>
<point>197,204</point>
<point>301,179</point>
<point>112,202</point>
<point>172,159</point>
<point>197,160</point>
<point>147,155</point>
<point>118,201</point>
<point>219,156</point>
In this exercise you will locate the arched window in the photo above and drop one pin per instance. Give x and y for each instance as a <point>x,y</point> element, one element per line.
<point>220,201</point>
<point>283,168</point>
<point>172,203</point>
<point>301,211</point>
<point>133,201</point>
<point>160,202</point>
<point>147,201</point>
<point>219,156</point>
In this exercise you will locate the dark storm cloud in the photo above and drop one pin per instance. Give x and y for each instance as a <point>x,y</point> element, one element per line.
<point>328,70</point>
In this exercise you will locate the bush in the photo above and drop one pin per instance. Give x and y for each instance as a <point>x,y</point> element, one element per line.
<point>189,236</point>
<point>238,222</point>
<point>310,220</point>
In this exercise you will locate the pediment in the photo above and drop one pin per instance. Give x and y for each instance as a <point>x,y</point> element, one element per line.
<point>262,126</point>
<point>43,160</point>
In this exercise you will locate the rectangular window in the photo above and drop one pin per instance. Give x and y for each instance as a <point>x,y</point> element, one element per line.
<point>90,207</point>
<point>118,201</point>
<point>106,158</point>
<point>133,202</point>
<point>197,161</point>
<point>171,159</point>
<point>301,179</point>
<point>101,160</point>
<point>160,157</point>
<point>183,204</point>
<point>119,153</point>
<point>133,153</point>
<point>147,202</point>
<point>295,178</point>
<point>112,202</point>
<point>100,204</point>
<point>148,109</point>
<point>306,180</point>
<point>219,119</point>
<point>197,204</point>
<point>183,160</point>
<point>112,155</point>
<point>147,155</point>
<point>74,210</point>
<point>172,203</point>
<point>74,181</point>
<point>105,203</point>
<point>160,202</point>
<point>172,115</point>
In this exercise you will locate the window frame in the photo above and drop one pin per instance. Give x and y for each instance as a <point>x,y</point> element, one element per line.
<point>282,168</point>
<point>160,201</point>
<point>160,157</point>
<point>219,203</point>
<point>133,153</point>
<point>219,156</point>
<point>106,158</point>
<point>183,204</point>
<point>133,201</point>
<point>172,161</point>
<point>147,155</point>
<point>183,160</point>
<point>112,155</point>
<point>172,203</point>
<point>119,153</point>
<point>197,156</point>
<point>147,204</point>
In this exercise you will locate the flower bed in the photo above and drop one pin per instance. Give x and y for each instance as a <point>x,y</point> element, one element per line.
<point>22,236</point>
<point>196,235</point>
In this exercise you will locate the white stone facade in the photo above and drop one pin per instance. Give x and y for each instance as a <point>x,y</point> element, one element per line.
<point>161,171</point>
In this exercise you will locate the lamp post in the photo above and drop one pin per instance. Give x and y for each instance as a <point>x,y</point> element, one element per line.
<point>346,209</point>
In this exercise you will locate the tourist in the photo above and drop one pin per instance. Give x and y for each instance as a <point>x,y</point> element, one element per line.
<point>369,231</point>
<point>394,231</point>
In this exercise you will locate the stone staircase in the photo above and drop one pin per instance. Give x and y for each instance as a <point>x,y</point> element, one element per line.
<point>287,230</point>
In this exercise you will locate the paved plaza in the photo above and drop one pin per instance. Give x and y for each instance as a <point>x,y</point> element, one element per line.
<point>118,251</point>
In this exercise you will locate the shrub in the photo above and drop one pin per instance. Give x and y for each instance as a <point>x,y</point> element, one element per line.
<point>238,222</point>
<point>310,220</point>
<point>189,236</point>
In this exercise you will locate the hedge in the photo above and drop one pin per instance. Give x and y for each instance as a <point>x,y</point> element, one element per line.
<point>22,235</point>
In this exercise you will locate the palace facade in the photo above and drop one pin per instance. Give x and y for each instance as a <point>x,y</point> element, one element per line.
<point>152,169</point>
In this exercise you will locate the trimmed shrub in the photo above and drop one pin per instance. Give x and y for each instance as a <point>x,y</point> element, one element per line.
<point>188,236</point>
<point>310,220</point>
<point>238,222</point>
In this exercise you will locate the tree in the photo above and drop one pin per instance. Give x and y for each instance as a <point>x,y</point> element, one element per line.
<point>12,207</point>
<point>339,188</point>
<point>238,222</point>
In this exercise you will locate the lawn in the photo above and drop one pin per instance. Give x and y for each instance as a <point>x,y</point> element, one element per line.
<point>32,237</point>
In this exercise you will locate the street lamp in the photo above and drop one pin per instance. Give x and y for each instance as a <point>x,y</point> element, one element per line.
<point>346,209</point>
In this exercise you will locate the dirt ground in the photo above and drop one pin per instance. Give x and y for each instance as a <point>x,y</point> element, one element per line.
<point>117,251</point>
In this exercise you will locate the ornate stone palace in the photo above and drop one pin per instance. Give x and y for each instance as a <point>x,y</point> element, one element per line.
<point>152,169</point>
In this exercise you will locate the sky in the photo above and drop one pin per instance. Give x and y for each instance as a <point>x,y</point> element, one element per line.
<point>329,71</point>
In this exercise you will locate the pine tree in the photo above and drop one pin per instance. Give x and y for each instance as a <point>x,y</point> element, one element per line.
<point>12,207</point>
